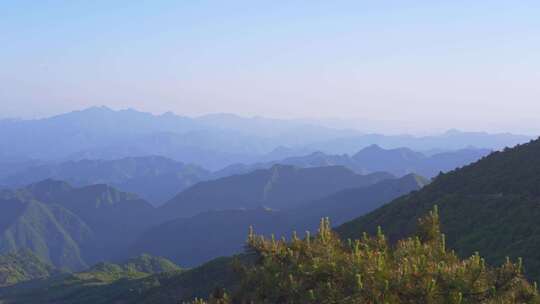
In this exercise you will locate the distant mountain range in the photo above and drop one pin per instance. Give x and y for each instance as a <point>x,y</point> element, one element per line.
<point>101,133</point>
<point>157,179</point>
<point>399,161</point>
<point>450,140</point>
<point>212,141</point>
<point>153,178</point>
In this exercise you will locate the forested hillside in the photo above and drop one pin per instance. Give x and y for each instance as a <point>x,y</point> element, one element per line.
<point>100,284</point>
<point>23,266</point>
<point>491,206</point>
<point>51,232</point>
<point>71,227</point>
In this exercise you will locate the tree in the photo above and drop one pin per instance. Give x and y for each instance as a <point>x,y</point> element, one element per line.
<point>419,269</point>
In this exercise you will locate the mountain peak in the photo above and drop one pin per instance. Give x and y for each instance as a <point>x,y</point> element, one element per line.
<point>373,147</point>
<point>96,109</point>
<point>318,153</point>
<point>51,186</point>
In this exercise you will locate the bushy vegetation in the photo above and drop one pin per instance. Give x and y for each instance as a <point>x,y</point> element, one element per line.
<point>101,284</point>
<point>135,281</point>
<point>22,266</point>
<point>418,269</point>
<point>144,263</point>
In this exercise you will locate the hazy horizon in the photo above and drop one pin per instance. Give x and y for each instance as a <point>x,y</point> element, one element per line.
<point>362,125</point>
<point>417,67</point>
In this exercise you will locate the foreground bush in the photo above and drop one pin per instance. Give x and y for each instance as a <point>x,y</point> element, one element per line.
<point>322,269</point>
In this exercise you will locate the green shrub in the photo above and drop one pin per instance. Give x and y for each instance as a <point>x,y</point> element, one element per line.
<point>419,269</point>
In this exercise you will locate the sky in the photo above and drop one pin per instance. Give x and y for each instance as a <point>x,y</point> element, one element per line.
<point>393,65</point>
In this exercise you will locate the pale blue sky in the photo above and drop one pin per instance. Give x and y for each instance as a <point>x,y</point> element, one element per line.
<point>419,64</point>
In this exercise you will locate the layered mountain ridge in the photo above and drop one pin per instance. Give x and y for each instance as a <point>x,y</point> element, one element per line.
<point>399,161</point>
<point>191,241</point>
<point>213,141</point>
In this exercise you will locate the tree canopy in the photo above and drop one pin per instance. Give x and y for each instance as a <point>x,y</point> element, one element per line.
<point>418,269</point>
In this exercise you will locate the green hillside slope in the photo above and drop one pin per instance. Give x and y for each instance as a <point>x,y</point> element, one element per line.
<point>491,206</point>
<point>22,266</point>
<point>53,233</point>
<point>71,227</point>
<point>134,282</point>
